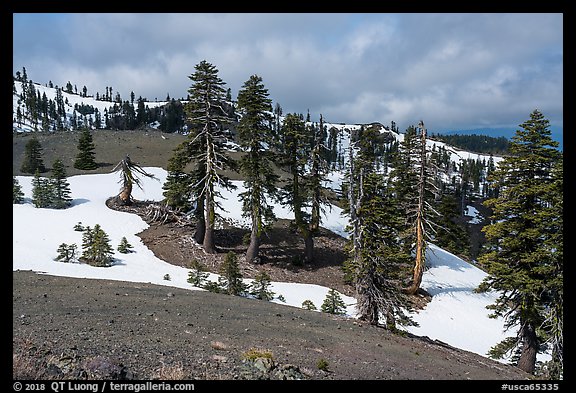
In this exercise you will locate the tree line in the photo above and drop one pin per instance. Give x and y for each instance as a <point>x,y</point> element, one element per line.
<point>475,143</point>
<point>48,115</point>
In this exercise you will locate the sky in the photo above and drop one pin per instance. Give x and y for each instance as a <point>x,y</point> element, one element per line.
<point>456,315</point>
<point>453,71</point>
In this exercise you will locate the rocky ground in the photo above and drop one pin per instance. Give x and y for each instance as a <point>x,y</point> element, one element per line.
<point>96,329</point>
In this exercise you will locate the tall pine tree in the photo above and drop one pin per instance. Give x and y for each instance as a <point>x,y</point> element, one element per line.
<point>205,146</point>
<point>256,137</point>
<point>302,159</point>
<point>525,260</point>
<point>377,262</point>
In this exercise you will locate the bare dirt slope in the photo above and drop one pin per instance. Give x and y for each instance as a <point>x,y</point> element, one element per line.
<point>83,328</point>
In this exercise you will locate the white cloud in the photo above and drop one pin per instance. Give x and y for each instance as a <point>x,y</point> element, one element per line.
<point>458,69</point>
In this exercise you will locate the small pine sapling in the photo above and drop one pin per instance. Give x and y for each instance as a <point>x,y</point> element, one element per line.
<point>259,287</point>
<point>124,247</point>
<point>231,279</point>
<point>197,275</point>
<point>333,303</point>
<point>66,253</point>
<point>308,305</point>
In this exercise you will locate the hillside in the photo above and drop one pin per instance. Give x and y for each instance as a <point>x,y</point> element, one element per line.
<point>164,250</point>
<point>77,328</point>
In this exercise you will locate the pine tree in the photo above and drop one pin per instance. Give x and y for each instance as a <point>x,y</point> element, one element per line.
<point>295,154</point>
<point>17,193</point>
<point>33,157</point>
<point>414,185</point>
<point>333,303</point>
<point>315,179</point>
<point>85,159</point>
<point>197,275</point>
<point>378,260</point>
<point>308,305</point>
<point>124,247</point>
<point>129,171</point>
<point>259,287</point>
<point>206,145</point>
<point>450,236</point>
<point>525,259</point>
<point>205,149</point>
<point>60,186</point>
<point>96,248</point>
<point>302,158</point>
<point>256,165</point>
<point>41,191</point>
<point>231,277</point>
<point>66,253</point>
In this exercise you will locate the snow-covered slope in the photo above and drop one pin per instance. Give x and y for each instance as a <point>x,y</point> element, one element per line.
<point>456,315</point>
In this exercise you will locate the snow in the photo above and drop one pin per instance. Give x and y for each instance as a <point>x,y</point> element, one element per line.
<point>456,315</point>
<point>471,211</point>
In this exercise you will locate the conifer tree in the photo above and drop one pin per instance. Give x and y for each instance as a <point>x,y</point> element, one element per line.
<point>17,193</point>
<point>378,261</point>
<point>96,248</point>
<point>197,275</point>
<point>41,191</point>
<point>302,157</point>
<point>525,256</point>
<point>33,157</point>
<point>124,247</point>
<point>66,253</point>
<point>231,277</point>
<point>60,186</point>
<point>414,186</point>
<point>333,303</point>
<point>205,147</point>
<point>259,287</point>
<point>256,165</point>
<point>85,159</point>
<point>451,236</point>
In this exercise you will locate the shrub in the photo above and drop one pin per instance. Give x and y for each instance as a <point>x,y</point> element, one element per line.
<point>255,353</point>
<point>322,364</point>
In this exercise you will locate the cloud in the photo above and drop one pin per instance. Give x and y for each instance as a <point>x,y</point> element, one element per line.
<point>458,70</point>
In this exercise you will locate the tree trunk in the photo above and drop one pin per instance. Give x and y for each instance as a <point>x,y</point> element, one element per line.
<point>527,359</point>
<point>254,247</point>
<point>125,196</point>
<point>200,223</point>
<point>208,243</point>
<point>420,219</point>
<point>420,258</point>
<point>308,247</point>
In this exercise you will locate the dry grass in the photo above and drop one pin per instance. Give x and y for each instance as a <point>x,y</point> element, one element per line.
<point>172,372</point>
<point>255,353</point>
